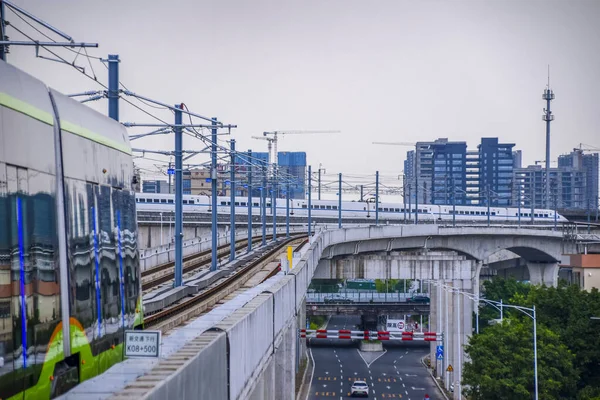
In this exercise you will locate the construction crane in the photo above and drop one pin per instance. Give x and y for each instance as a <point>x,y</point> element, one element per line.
<point>586,147</point>
<point>273,135</point>
<point>396,143</point>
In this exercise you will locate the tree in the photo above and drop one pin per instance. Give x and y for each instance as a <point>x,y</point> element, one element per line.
<point>501,364</point>
<point>496,290</point>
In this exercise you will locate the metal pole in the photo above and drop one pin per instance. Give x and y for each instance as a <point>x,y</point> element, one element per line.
<point>404,195</point>
<point>446,335</point>
<point>319,184</point>
<point>249,201</point>
<point>416,191</point>
<point>263,196</point>
<point>3,49</point>
<point>439,325</point>
<point>376,197</point>
<point>274,203</point>
<point>488,204</point>
<point>459,349</point>
<point>170,191</point>
<point>361,193</point>
<point>178,200</point>
<point>309,202</point>
<point>213,185</point>
<point>161,231</point>
<point>113,87</point>
<point>232,201</point>
<point>532,196</point>
<point>477,315</point>
<point>287,209</point>
<point>340,202</point>
<point>453,203</point>
<point>519,205</point>
<point>535,353</point>
<point>409,201</point>
<point>501,311</point>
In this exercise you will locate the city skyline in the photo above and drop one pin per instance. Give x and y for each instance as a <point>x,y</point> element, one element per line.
<point>409,72</point>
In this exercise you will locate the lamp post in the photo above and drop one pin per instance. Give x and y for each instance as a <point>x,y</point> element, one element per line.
<point>530,312</point>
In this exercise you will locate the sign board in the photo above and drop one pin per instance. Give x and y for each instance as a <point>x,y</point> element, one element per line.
<point>171,171</point>
<point>439,352</point>
<point>142,343</point>
<point>450,369</point>
<point>395,325</point>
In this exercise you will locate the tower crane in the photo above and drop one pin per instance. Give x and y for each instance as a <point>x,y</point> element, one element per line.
<point>586,147</point>
<point>273,135</point>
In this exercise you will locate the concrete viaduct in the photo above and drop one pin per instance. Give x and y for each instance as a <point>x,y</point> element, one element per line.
<point>249,351</point>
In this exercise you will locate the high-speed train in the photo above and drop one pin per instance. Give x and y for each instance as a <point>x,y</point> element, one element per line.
<point>351,210</point>
<point>69,268</point>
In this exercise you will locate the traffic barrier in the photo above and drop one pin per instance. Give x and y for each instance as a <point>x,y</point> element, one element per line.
<point>369,335</point>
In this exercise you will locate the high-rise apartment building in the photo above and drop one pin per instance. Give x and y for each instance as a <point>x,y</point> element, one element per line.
<point>442,169</point>
<point>495,172</point>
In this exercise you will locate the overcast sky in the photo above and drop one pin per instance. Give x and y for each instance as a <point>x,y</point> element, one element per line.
<point>375,70</point>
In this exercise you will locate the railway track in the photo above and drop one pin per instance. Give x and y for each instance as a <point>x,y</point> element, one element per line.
<point>194,305</point>
<point>160,274</point>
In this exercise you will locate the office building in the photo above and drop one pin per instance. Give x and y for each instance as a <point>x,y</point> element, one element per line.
<point>293,167</point>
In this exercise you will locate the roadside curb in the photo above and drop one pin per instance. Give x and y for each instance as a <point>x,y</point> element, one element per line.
<point>437,384</point>
<point>303,386</point>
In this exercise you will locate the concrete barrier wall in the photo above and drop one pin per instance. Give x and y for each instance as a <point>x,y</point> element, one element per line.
<point>154,256</point>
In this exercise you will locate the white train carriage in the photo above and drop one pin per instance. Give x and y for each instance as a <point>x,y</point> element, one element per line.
<point>351,210</point>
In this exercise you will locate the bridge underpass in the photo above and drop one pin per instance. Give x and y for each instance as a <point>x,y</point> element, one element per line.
<point>453,256</point>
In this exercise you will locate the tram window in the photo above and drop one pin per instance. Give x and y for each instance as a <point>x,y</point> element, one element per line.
<point>244,204</point>
<point>268,204</point>
<point>493,212</point>
<point>397,209</point>
<point>223,203</point>
<point>334,207</point>
<point>237,203</point>
<point>402,210</point>
<point>304,206</point>
<point>472,212</point>
<point>156,200</point>
<point>171,201</point>
<point>163,200</point>
<point>322,207</point>
<point>254,204</point>
<point>141,200</point>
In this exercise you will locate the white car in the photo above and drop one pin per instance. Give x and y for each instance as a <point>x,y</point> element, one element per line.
<point>359,388</point>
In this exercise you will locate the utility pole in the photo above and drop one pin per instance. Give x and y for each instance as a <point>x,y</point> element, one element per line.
<point>3,48</point>
<point>340,201</point>
<point>319,181</point>
<point>178,197</point>
<point>487,200</point>
<point>416,186</point>
<point>376,197</point>
<point>532,194</point>
<point>453,203</point>
<point>362,198</point>
<point>263,196</point>
<point>404,195</point>
<point>309,202</point>
<point>287,207</point>
<point>274,204</point>
<point>249,200</point>
<point>213,186</point>
<point>548,117</point>
<point>232,201</point>
<point>113,86</point>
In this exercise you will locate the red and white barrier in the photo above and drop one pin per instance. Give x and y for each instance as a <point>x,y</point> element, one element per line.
<point>370,335</point>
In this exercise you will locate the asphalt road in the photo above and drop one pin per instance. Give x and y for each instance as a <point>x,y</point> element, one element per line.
<point>397,374</point>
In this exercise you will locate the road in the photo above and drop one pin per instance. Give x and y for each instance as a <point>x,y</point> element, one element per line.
<point>397,374</point>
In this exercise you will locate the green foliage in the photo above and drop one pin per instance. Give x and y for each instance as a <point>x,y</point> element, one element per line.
<point>386,285</point>
<point>501,365</point>
<point>563,316</point>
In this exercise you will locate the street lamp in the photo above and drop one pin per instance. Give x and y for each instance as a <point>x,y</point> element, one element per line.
<point>530,312</point>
